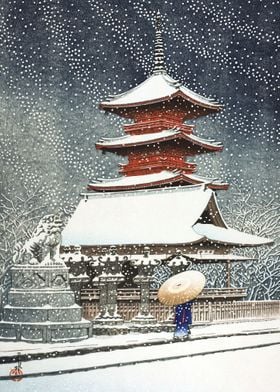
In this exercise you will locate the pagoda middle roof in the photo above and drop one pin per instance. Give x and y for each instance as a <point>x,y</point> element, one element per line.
<point>156,137</point>
<point>158,88</point>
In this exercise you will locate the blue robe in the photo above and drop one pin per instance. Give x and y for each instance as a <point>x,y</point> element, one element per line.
<point>183,319</point>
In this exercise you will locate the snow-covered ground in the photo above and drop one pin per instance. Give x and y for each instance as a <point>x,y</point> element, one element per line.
<point>243,371</point>
<point>171,367</point>
<point>169,350</point>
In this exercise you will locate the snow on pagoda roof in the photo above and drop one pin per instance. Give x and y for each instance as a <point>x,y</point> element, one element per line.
<point>163,216</point>
<point>144,139</point>
<point>157,88</point>
<point>229,236</point>
<point>149,180</point>
<point>194,178</point>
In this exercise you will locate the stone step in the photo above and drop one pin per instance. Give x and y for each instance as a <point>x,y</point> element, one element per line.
<point>42,314</point>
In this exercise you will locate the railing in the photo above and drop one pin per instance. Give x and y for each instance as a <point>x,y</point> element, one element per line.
<point>128,294</point>
<point>204,312</point>
<point>244,310</point>
<point>157,125</point>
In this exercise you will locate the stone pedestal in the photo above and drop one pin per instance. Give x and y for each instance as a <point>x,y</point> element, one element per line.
<point>77,264</point>
<point>40,306</point>
<point>145,264</point>
<point>108,268</point>
<point>108,313</point>
<point>144,316</point>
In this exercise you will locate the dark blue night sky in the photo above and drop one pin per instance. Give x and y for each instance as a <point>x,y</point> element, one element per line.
<point>59,59</point>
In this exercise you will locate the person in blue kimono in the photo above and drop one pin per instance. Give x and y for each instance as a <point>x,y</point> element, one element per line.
<point>183,320</point>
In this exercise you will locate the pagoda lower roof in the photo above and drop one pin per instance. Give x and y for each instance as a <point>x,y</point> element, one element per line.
<point>158,88</point>
<point>165,177</point>
<point>157,216</point>
<point>157,137</point>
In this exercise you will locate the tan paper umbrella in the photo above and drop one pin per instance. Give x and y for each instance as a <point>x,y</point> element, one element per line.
<point>181,288</point>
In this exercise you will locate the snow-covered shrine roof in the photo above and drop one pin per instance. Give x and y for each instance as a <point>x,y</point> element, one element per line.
<point>229,236</point>
<point>144,139</point>
<point>163,216</point>
<point>217,257</point>
<point>154,179</point>
<point>156,216</point>
<point>158,88</point>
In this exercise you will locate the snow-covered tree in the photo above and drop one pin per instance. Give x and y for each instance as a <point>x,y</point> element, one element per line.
<point>18,217</point>
<point>260,217</point>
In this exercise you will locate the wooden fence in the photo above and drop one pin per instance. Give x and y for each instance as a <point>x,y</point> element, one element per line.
<point>237,310</point>
<point>202,311</point>
<point>133,294</point>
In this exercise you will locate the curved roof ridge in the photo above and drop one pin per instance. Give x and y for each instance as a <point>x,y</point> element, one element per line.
<point>154,137</point>
<point>157,88</point>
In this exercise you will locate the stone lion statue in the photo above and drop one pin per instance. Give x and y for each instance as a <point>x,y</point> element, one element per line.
<point>43,246</point>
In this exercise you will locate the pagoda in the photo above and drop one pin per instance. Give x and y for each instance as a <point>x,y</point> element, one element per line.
<point>158,201</point>
<point>158,143</point>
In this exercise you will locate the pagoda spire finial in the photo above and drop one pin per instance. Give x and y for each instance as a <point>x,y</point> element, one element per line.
<point>159,63</point>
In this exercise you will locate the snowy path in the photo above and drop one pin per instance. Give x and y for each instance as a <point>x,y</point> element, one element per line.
<point>97,342</point>
<point>144,354</point>
<point>185,366</point>
<point>242,371</point>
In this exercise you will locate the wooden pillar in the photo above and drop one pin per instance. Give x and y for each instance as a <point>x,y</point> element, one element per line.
<point>103,299</point>
<point>228,265</point>
<point>145,297</point>
<point>112,298</point>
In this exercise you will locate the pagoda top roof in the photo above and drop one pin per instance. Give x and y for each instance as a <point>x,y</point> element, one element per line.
<point>151,180</point>
<point>156,137</point>
<point>157,216</point>
<point>157,88</point>
<point>160,87</point>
